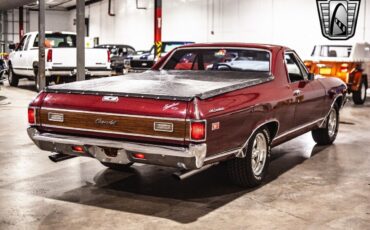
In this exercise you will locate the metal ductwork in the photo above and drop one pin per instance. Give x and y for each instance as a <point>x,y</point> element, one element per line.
<point>7,5</point>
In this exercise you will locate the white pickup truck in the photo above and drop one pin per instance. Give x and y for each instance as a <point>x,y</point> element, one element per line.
<point>60,55</point>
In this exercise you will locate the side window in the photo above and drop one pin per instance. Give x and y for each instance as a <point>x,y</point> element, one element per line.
<point>27,42</point>
<point>131,51</point>
<point>294,71</point>
<point>21,44</point>
<point>36,42</point>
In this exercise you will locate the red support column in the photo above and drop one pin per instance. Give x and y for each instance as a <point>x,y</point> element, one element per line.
<point>158,27</point>
<point>21,28</point>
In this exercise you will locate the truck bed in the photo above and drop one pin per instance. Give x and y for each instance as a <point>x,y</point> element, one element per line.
<point>170,85</point>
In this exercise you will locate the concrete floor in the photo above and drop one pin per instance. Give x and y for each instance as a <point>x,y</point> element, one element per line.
<point>308,187</point>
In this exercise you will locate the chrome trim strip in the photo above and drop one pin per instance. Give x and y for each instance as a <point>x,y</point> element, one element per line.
<point>220,155</point>
<point>112,132</point>
<point>241,153</point>
<point>298,128</point>
<point>113,114</point>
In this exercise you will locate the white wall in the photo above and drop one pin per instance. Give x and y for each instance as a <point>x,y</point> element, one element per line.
<point>287,22</point>
<point>54,21</point>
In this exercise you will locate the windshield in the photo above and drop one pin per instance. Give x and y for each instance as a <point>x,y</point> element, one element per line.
<point>57,40</point>
<point>332,51</point>
<point>220,60</point>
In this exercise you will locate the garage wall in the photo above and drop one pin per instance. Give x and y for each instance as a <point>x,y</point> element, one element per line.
<point>288,22</point>
<point>54,21</point>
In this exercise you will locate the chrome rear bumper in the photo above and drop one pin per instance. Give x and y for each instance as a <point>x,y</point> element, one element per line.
<point>191,157</point>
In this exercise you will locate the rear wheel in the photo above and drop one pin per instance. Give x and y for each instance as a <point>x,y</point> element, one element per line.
<point>12,77</point>
<point>117,167</point>
<point>328,134</point>
<point>359,97</point>
<point>251,170</point>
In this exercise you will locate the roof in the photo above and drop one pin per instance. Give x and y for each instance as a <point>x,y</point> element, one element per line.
<point>238,45</point>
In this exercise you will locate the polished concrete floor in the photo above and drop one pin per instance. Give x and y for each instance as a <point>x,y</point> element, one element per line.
<point>308,187</point>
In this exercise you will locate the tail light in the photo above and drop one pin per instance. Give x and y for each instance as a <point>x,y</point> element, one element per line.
<point>344,68</point>
<point>32,116</point>
<point>138,156</point>
<point>198,130</point>
<point>78,149</point>
<point>108,53</point>
<point>50,56</point>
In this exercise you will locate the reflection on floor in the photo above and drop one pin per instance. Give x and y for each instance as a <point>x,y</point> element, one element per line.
<point>307,186</point>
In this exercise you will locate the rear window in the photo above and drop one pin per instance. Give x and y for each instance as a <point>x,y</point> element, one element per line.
<point>57,40</point>
<point>332,51</point>
<point>220,60</point>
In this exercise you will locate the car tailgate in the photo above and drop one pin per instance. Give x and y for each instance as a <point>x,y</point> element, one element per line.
<point>66,57</point>
<point>115,117</point>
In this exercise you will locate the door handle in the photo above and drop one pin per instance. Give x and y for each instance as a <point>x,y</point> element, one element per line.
<point>297,93</point>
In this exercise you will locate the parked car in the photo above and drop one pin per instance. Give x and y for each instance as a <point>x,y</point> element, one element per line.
<point>145,60</point>
<point>3,70</point>
<point>118,53</point>
<point>60,59</point>
<point>350,63</point>
<point>191,111</point>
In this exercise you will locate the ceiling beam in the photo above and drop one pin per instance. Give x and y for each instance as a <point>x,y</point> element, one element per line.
<point>86,4</point>
<point>8,5</point>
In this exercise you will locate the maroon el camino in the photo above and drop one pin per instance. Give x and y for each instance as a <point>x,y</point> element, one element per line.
<point>200,105</point>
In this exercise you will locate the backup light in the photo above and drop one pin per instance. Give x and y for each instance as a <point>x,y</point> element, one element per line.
<point>31,116</point>
<point>198,130</point>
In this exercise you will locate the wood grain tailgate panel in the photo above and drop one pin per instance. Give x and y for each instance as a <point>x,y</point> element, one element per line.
<point>123,124</point>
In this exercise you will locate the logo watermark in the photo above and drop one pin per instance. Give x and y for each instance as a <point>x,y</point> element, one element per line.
<point>338,18</point>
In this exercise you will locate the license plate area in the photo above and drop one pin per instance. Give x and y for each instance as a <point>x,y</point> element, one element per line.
<point>110,155</point>
<point>325,71</point>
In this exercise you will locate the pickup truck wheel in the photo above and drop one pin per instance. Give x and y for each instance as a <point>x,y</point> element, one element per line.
<point>328,134</point>
<point>359,97</point>
<point>12,77</point>
<point>251,170</point>
<point>117,167</point>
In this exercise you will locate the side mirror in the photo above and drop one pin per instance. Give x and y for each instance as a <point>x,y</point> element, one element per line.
<point>311,76</point>
<point>12,46</point>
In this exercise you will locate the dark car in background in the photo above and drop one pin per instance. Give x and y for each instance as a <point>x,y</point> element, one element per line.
<point>118,54</point>
<point>145,60</point>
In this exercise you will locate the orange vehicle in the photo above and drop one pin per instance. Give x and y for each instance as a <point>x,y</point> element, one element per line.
<point>351,63</point>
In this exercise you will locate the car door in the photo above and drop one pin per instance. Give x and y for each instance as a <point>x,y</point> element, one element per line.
<point>308,94</point>
<point>26,56</point>
<point>18,60</point>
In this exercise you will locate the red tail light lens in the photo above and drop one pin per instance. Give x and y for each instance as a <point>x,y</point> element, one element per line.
<point>31,116</point>
<point>108,52</point>
<point>78,149</point>
<point>198,130</point>
<point>50,56</point>
<point>139,156</point>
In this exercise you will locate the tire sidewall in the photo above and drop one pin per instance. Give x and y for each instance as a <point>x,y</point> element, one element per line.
<point>336,109</point>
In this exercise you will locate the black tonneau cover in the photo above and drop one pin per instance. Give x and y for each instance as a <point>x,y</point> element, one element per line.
<point>172,85</point>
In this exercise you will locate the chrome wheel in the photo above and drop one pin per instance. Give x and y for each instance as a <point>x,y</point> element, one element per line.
<point>259,153</point>
<point>363,91</point>
<point>332,123</point>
